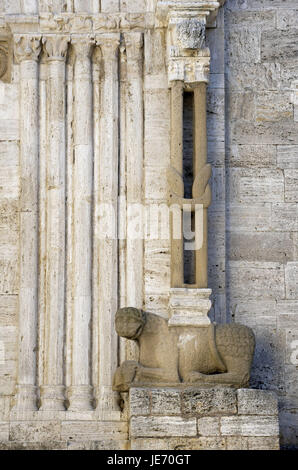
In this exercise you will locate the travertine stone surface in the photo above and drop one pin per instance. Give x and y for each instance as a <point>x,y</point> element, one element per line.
<point>261,159</point>
<point>52,390</point>
<point>210,417</point>
<point>80,396</point>
<point>252,221</point>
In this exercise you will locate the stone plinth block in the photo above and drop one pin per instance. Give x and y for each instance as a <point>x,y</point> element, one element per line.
<point>189,307</point>
<point>202,418</point>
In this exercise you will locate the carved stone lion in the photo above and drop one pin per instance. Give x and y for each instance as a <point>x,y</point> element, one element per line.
<point>216,354</point>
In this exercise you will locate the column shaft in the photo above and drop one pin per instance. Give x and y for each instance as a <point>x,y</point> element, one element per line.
<point>80,396</point>
<point>177,268</point>
<point>27,51</point>
<point>52,389</point>
<point>134,171</point>
<point>200,160</point>
<point>108,246</point>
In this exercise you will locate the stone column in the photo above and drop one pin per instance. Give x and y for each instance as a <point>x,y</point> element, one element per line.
<point>177,266</point>
<point>52,389</point>
<point>134,171</point>
<point>27,49</point>
<point>200,160</point>
<point>80,392</point>
<point>108,247</point>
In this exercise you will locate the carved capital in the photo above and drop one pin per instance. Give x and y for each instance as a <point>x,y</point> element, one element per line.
<point>26,47</point>
<point>133,45</point>
<point>190,70</point>
<point>109,46</point>
<point>55,47</point>
<point>82,48</point>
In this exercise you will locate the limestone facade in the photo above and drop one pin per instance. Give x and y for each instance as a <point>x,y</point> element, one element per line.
<point>88,93</point>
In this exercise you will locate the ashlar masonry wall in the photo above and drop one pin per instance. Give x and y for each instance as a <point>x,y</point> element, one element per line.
<point>261,73</point>
<point>253,148</point>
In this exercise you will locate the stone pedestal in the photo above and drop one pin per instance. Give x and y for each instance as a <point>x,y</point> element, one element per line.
<point>203,419</point>
<point>189,307</point>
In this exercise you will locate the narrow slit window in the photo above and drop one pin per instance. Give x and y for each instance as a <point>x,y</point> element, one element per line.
<point>188,175</point>
<point>188,145</point>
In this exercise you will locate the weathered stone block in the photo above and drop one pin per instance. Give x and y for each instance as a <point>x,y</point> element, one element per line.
<point>8,310</point>
<point>257,402</point>
<point>93,430</point>
<point>9,129</point>
<point>165,402</point>
<point>12,6</point>
<point>243,45</point>
<point>291,277</point>
<point>162,426</point>
<point>273,106</point>
<point>291,185</point>
<point>285,217</point>
<point>208,426</point>
<point>4,431</point>
<point>250,279</point>
<point>275,247</point>
<point>236,443</point>
<point>256,156</point>
<point>98,445</point>
<point>109,5</point>
<point>287,19</point>
<point>240,19</point>
<point>139,401</point>
<point>264,76</point>
<point>31,431</point>
<point>249,426</point>
<point>215,401</point>
<point>287,156</point>
<point>252,313</point>
<point>199,443</point>
<point>249,218</point>
<point>9,270</point>
<point>43,445</point>
<point>133,5</point>
<point>279,46</point>
<point>262,185</point>
<point>264,132</point>
<point>157,270</point>
<point>263,443</point>
<point>156,304</point>
<point>241,106</point>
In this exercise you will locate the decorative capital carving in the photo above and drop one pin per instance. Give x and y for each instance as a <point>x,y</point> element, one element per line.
<point>188,57</point>
<point>27,47</point>
<point>190,70</point>
<point>191,33</point>
<point>55,47</point>
<point>82,47</point>
<point>109,46</point>
<point>133,45</point>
